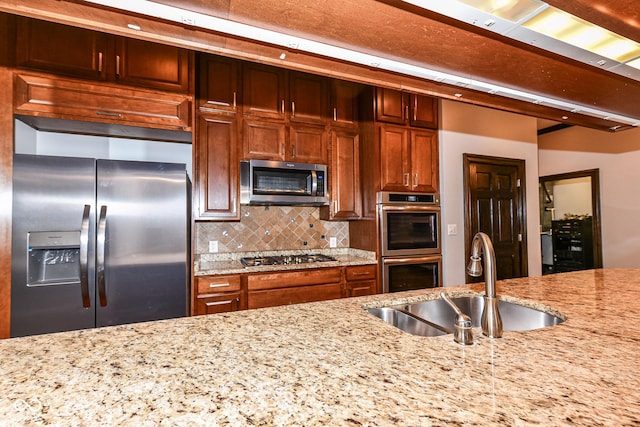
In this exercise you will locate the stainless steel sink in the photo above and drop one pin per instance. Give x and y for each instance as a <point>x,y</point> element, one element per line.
<point>439,316</point>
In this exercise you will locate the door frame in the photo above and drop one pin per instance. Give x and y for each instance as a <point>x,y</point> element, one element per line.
<point>594,174</point>
<point>519,164</point>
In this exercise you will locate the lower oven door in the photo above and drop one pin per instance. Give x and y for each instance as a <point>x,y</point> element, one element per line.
<point>410,273</point>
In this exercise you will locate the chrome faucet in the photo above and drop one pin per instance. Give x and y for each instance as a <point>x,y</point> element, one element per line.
<point>491,321</point>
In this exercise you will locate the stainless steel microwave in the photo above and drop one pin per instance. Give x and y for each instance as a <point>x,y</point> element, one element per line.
<point>267,182</point>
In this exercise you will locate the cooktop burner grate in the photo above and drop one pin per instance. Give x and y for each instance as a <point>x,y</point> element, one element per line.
<point>285,259</point>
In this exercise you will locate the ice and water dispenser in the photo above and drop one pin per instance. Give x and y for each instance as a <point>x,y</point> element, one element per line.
<point>53,258</point>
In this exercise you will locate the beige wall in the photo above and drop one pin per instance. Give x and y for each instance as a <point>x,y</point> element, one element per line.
<point>618,158</point>
<point>477,130</point>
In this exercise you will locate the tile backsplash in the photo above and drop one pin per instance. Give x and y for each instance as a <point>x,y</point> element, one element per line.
<point>270,228</point>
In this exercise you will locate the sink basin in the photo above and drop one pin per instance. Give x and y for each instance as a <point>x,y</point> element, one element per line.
<point>407,323</point>
<point>438,315</point>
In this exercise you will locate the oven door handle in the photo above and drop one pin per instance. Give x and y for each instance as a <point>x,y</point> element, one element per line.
<point>410,260</point>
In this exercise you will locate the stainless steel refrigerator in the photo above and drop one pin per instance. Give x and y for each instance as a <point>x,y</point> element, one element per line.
<point>97,243</point>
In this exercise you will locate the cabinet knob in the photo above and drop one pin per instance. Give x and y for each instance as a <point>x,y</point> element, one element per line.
<point>335,114</point>
<point>406,179</point>
<point>293,109</point>
<point>100,61</point>
<point>415,180</point>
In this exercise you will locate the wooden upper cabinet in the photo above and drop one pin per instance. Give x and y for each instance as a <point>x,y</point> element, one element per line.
<point>345,177</point>
<point>217,83</point>
<point>307,144</point>
<point>216,165</point>
<point>61,49</point>
<point>393,106</point>
<point>263,91</point>
<point>423,111</point>
<point>344,103</point>
<point>77,52</point>
<point>264,139</point>
<point>409,159</point>
<point>424,161</point>
<point>152,65</point>
<point>307,98</point>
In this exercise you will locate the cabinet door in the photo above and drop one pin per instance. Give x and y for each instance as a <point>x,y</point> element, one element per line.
<point>60,49</point>
<point>307,98</point>
<point>344,103</point>
<point>221,303</point>
<point>307,144</point>
<point>394,158</point>
<point>153,65</point>
<point>424,111</point>
<point>263,139</point>
<point>424,161</point>
<point>217,83</point>
<point>391,106</point>
<point>216,168</point>
<point>263,91</point>
<point>345,175</point>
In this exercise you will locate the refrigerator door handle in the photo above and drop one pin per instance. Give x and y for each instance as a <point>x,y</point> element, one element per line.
<point>100,248</point>
<point>84,257</point>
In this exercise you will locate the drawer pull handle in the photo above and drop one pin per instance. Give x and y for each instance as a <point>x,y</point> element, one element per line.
<point>108,113</point>
<point>219,285</point>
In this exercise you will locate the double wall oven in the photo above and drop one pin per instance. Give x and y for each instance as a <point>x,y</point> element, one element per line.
<point>409,241</point>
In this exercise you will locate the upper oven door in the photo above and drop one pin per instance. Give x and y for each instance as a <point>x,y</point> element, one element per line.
<point>409,230</point>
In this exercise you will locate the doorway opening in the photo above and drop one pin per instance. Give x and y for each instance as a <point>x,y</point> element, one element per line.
<point>570,224</point>
<point>494,190</point>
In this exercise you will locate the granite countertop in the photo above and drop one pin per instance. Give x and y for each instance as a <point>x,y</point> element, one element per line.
<point>332,363</point>
<point>229,263</point>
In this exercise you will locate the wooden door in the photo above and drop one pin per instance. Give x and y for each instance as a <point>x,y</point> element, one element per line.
<point>307,144</point>
<point>152,65</point>
<point>345,175</point>
<point>394,158</point>
<point>391,106</point>
<point>264,139</point>
<point>494,204</point>
<point>307,98</point>
<point>424,161</point>
<point>263,91</point>
<point>344,103</point>
<point>217,83</point>
<point>61,49</point>
<point>216,168</point>
<point>424,111</point>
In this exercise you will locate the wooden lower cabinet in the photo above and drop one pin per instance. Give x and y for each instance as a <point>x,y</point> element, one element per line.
<point>218,294</point>
<point>361,280</point>
<point>293,287</point>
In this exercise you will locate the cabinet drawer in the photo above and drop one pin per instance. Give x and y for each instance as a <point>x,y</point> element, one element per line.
<point>294,278</point>
<point>231,301</point>
<point>217,284</point>
<point>361,272</point>
<point>294,295</point>
<point>75,99</point>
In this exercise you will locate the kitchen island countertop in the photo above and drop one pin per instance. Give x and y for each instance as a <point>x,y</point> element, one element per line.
<point>332,363</point>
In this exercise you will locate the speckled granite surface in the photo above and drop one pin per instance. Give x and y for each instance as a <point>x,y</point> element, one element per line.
<point>332,363</point>
<point>229,263</point>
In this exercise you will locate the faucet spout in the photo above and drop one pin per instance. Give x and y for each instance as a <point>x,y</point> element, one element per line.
<point>491,320</point>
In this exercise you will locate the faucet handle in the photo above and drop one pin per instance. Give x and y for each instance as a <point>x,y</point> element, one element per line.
<point>462,328</point>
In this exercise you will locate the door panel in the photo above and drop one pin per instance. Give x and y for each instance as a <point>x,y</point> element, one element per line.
<point>495,206</point>
<point>145,241</point>
<point>49,196</point>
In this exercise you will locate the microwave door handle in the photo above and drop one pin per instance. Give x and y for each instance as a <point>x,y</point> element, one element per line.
<point>314,183</point>
<point>84,257</point>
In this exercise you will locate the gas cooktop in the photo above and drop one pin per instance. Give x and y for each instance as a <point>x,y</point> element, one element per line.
<point>285,259</point>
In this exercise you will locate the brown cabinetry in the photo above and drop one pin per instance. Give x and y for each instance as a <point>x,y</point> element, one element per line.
<point>393,106</point>
<point>344,103</point>
<point>345,176</point>
<point>217,83</point>
<point>409,159</point>
<point>77,52</point>
<point>216,167</point>
<point>218,294</point>
<point>361,280</point>
<point>293,287</point>
<point>49,96</point>
<point>283,114</point>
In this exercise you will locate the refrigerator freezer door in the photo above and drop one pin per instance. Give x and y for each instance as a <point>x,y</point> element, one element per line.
<point>53,216</point>
<point>142,237</point>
